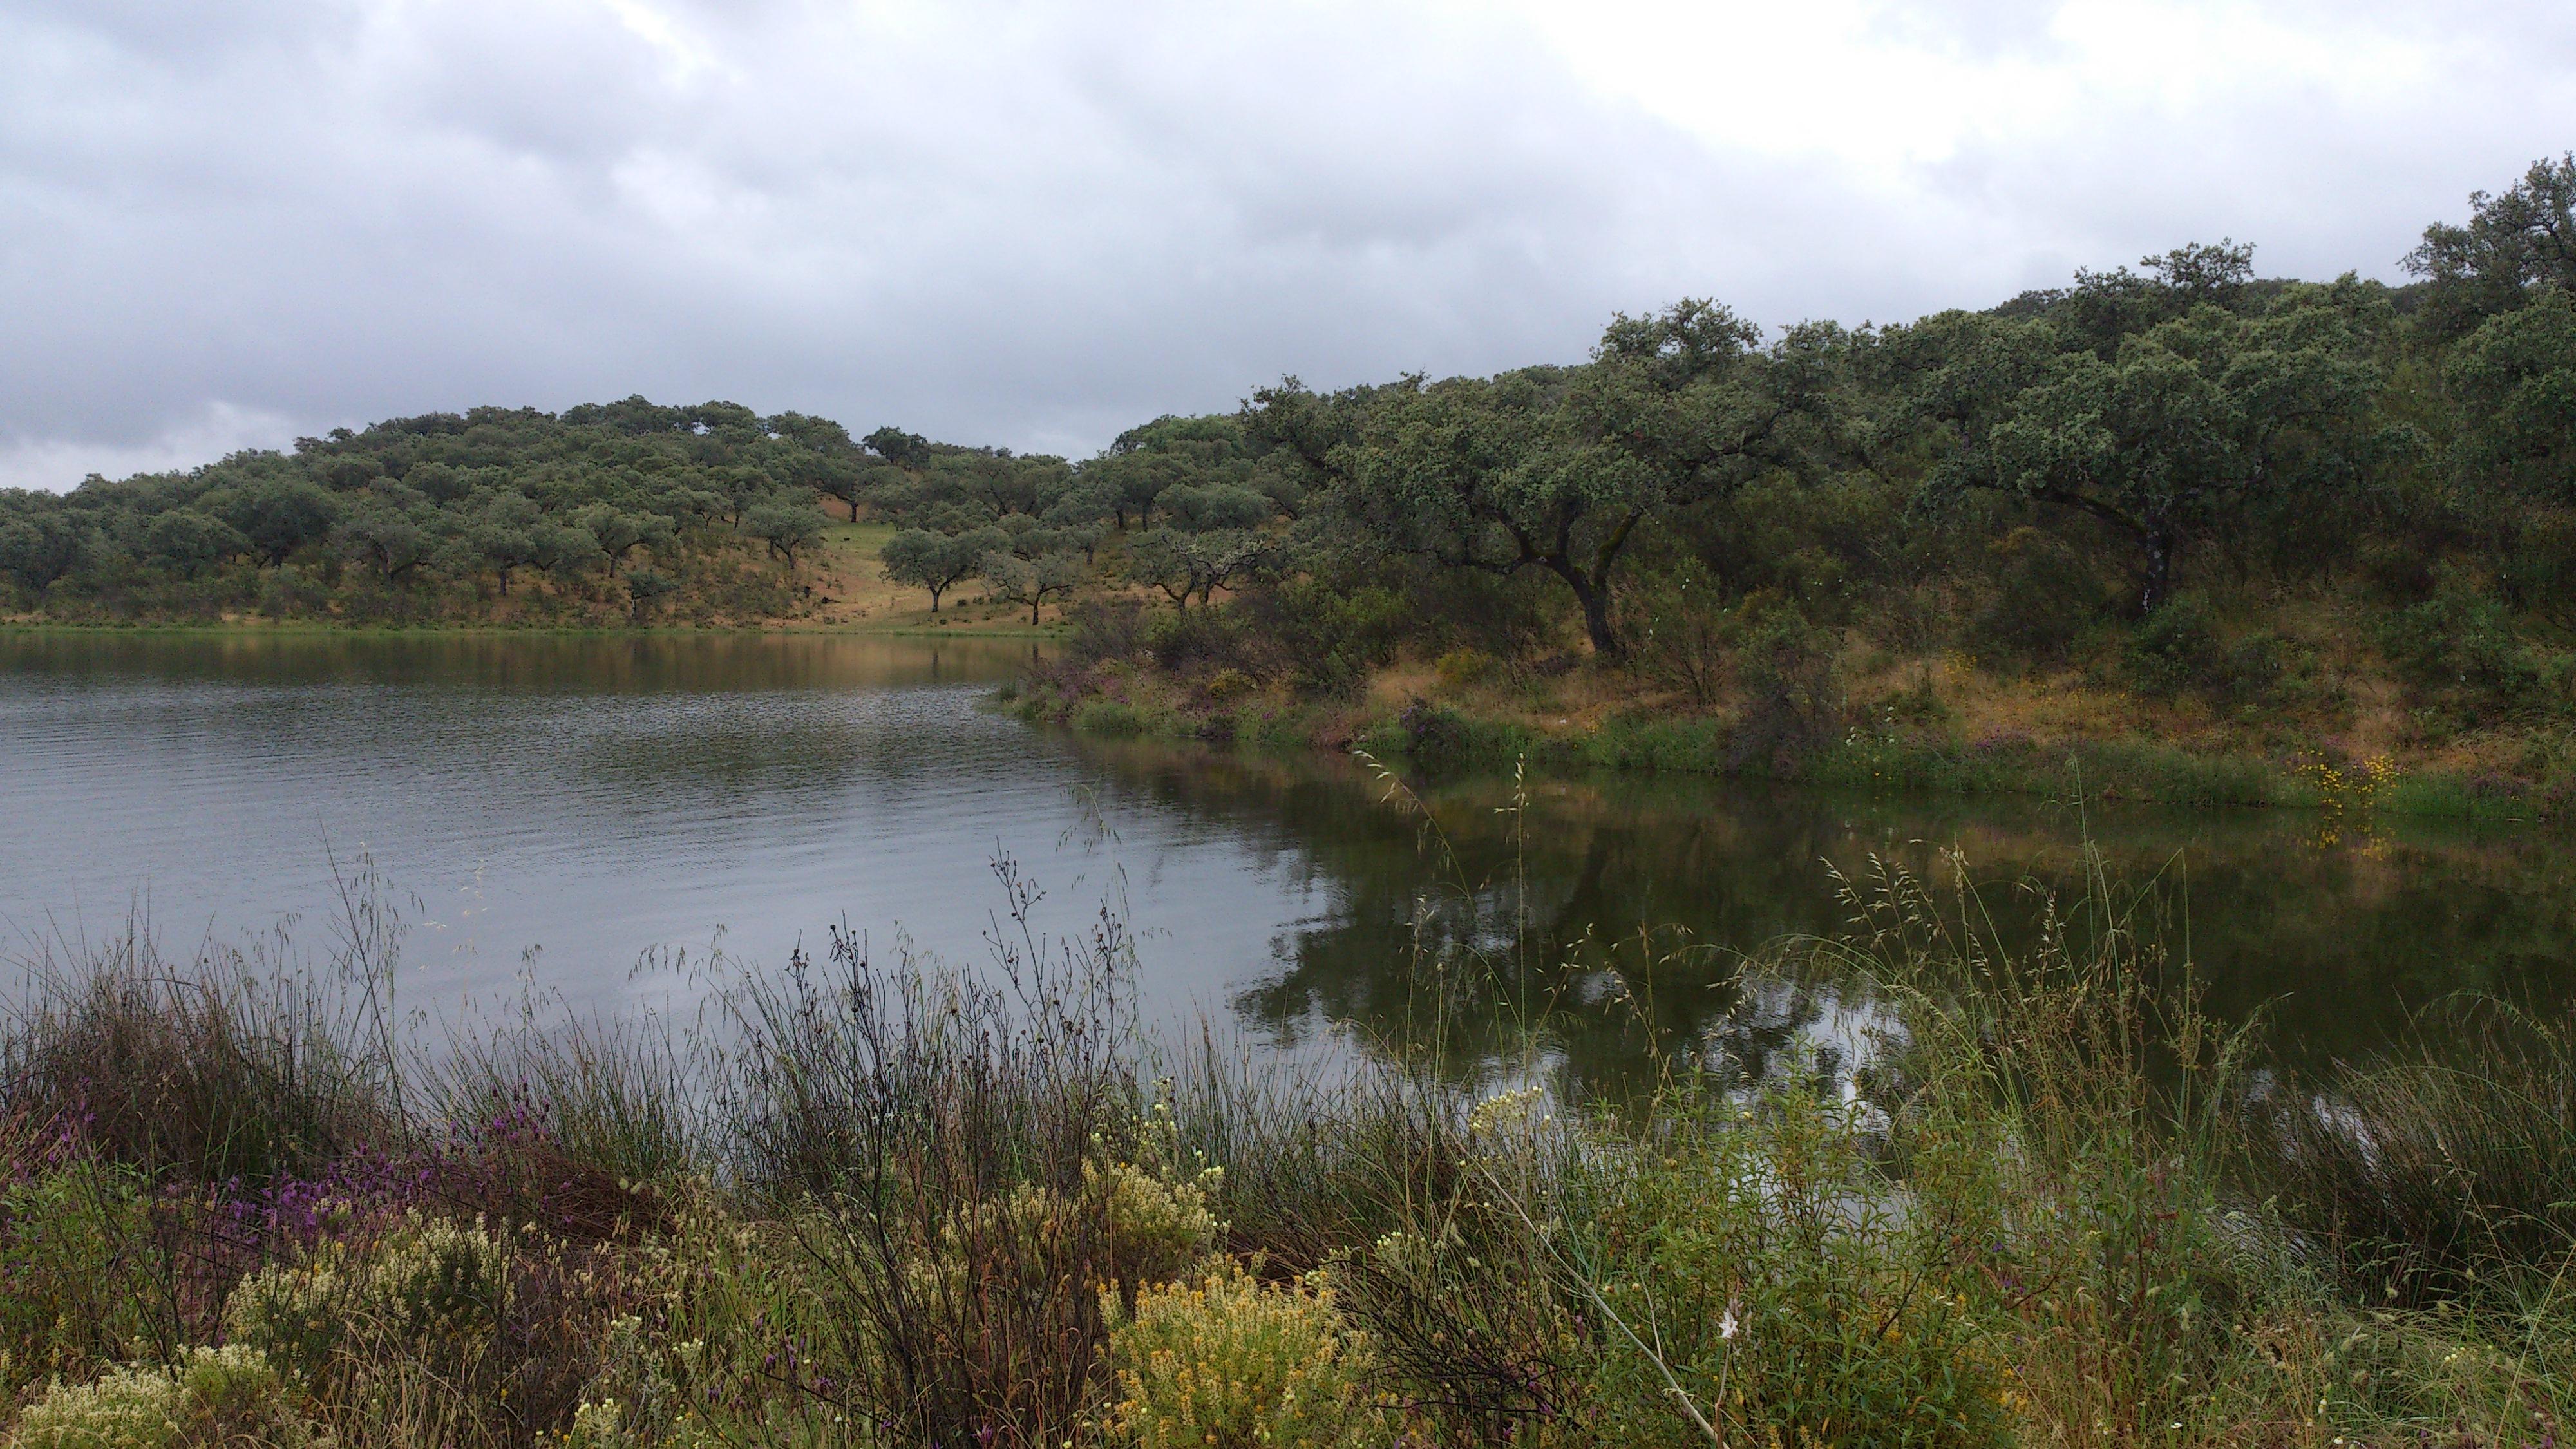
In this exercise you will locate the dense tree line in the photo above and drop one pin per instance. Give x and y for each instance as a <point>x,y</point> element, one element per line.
<point>2178,478</point>
<point>620,503</point>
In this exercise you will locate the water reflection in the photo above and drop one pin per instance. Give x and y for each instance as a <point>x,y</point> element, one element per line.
<point>1639,896</point>
<point>563,805</point>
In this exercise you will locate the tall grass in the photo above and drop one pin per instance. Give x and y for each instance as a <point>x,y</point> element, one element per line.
<point>2043,1199</point>
<point>2449,1174</point>
<point>239,1065</point>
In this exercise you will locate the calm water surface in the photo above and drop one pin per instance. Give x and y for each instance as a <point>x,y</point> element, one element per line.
<point>554,809</point>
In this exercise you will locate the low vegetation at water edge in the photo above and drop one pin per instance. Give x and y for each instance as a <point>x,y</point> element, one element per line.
<point>2033,1197</point>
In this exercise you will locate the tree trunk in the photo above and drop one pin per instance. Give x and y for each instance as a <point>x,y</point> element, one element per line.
<point>2160,552</point>
<point>1596,614</point>
<point>1033,613</point>
<point>934,600</point>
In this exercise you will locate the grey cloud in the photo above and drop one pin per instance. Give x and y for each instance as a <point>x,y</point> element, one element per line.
<point>1039,222</point>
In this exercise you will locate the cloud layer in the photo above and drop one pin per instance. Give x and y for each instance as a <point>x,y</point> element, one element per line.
<point>1036,223</point>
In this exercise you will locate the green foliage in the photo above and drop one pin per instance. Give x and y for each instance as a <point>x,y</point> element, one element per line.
<point>2459,651</point>
<point>2516,379</point>
<point>1235,1362</point>
<point>226,1395</point>
<point>231,1073</point>
<point>78,1286</point>
<point>937,562</point>
<point>1793,705</point>
<point>415,517</point>
<point>1114,718</point>
<point>2035,1198</point>
<point>432,1284</point>
<point>1032,581</point>
<point>1555,469</point>
<point>2180,422</point>
<point>2046,594</point>
<point>126,1409</point>
<point>1767,1271</point>
<point>2462,1186</point>
<point>785,526</point>
<point>2178,649</point>
<point>2514,245</point>
<point>1325,639</point>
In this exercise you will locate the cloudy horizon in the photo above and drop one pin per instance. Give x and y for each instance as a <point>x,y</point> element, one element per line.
<point>1035,224</point>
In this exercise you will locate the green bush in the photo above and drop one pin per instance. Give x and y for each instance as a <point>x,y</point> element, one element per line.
<point>1464,668</point>
<point>1793,702</point>
<point>1106,629</point>
<point>1675,622</point>
<point>2046,596</point>
<point>1112,717</point>
<point>126,1409</point>
<point>1326,639</point>
<point>428,1284</point>
<point>2458,652</point>
<point>633,1399</point>
<point>1182,639</point>
<point>2178,649</point>
<point>224,1395</point>
<point>1754,1260</point>
<point>76,1283</point>
<point>1234,1362</point>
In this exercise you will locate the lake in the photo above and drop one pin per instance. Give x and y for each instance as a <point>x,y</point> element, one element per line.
<point>551,811</point>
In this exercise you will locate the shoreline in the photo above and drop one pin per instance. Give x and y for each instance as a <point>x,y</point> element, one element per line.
<point>1438,737</point>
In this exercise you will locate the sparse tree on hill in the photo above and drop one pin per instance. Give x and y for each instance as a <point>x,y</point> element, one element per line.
<point>1033,581</point>
<point>937,561</point>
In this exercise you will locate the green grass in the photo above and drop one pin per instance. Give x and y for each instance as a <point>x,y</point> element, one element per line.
<point>2043,1201</point>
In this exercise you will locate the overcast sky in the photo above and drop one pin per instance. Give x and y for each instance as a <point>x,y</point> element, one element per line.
<point>225,224</point>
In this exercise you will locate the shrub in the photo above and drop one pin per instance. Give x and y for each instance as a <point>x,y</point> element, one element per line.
<point>939,1130</point>
<point>1230,684</point>
<point>1473,1315</point>
<point>429,1284</point>
<point>2423,1181</point>
<point>213,1396</point>
<point>1212,637</point>
<point>1112,717</point>
<point>2540,567</point>
<point>632,1400</point>
<point>233,1381</point>
<point>1677,624</point>
<point>1326,639</point>
<point>2066,1113</point>
<point>2177,650</point>
<point>1234,1362</point>
<point>76,1286</point>
<point>1159,1228</point>
<point>129,1408</point>
<point>1793,704</point>
<point>1462,668</point>
<point>1758,1260</point>
<point>1106,629</point>
<point>2046,596</point>
<point>1434,734</point>
<point>2458,651</point>
<point>213,1068</point>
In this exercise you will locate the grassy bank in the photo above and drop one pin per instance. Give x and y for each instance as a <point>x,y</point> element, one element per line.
<point>1436,736</point>
<point>1953,730</point>
<point>2020,1198</point>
